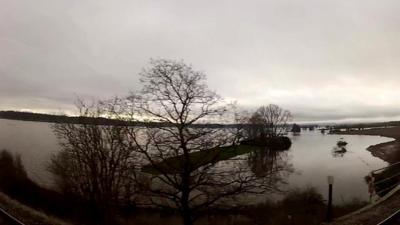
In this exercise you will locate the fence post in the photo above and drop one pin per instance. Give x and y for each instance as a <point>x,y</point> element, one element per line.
<point>329,210</point>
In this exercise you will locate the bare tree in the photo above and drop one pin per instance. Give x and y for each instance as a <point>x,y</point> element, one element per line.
<point>269,121</point>
<point>182,150</point>
<point>96,162</point>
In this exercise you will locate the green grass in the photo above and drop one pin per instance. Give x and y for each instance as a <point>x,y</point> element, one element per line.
<point>174,164</point>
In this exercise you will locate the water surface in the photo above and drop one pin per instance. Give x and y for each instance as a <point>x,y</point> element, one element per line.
<point>313,161</point>
<point>310,158</point>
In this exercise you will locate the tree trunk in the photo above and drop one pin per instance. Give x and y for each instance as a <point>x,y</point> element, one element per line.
<point>187,219</point>
<point>186,211</point>
<point>185,188</point>
<point>186,214</point>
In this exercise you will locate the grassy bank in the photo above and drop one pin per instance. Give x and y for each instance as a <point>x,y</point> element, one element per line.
<point>26,214</point>
<point>300,206</point>
<point>173,164</point>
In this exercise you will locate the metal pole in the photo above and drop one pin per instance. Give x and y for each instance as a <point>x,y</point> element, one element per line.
<point>329,212</point>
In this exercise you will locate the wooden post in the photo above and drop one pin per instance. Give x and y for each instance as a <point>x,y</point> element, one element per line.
<point>329,209</point>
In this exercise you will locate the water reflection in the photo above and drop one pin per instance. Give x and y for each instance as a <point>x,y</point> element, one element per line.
<point>338,151</point>
<point>266,162</point>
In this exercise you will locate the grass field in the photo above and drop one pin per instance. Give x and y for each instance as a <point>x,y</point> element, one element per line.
<point>174,164</point>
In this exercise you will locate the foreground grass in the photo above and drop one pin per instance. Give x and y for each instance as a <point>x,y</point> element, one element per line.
<point>199,158</point>
<point>300,206</point>
<point>27,215</point>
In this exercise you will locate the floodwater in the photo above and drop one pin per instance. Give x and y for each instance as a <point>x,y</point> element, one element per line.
<point>310,159</point>
<point>313,159</point>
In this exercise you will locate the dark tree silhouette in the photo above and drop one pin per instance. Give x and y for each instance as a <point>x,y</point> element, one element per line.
<point>12,172</point>
<point>296,128</point>
<point>96,162</point>
<point>183,158</point>
<point>269,122</point>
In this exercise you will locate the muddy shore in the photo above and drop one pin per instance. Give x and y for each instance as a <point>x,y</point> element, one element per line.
<point>388,151</point>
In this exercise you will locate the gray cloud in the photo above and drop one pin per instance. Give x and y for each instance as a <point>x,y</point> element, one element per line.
<point>323,60</point>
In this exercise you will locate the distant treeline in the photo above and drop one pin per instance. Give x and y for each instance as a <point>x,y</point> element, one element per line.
<point>41,117</point>
<point>361,126</point>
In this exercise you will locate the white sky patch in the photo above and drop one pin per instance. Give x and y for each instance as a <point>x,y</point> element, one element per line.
<point>323,60</point>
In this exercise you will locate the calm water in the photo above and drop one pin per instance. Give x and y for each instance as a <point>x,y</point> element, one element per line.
<point>310,157</point>
<point>313,161</point>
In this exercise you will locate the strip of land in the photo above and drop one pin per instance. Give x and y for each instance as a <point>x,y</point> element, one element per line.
<point>48,118</point>
<point>174,164</point>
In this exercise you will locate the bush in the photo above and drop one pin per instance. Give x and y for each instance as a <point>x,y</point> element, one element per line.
<point>306,201</point>
<point>13,176</point>
<point>15,183</point>
<point>279,143</point>
<point>296,128</point>
<point>348,206</point>
<point>276,143</point>
<point>299,206</point>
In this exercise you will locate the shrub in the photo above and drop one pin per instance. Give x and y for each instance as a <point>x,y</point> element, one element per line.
<point>275,143</point>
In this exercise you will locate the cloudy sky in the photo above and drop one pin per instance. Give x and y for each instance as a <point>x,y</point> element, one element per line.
<point>323,60</point>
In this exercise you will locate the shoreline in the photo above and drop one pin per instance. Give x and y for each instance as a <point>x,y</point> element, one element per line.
<point>390,153</point>
<point>387,151</point>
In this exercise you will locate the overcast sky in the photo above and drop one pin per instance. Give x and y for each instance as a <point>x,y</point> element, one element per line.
<point>323,60</point>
